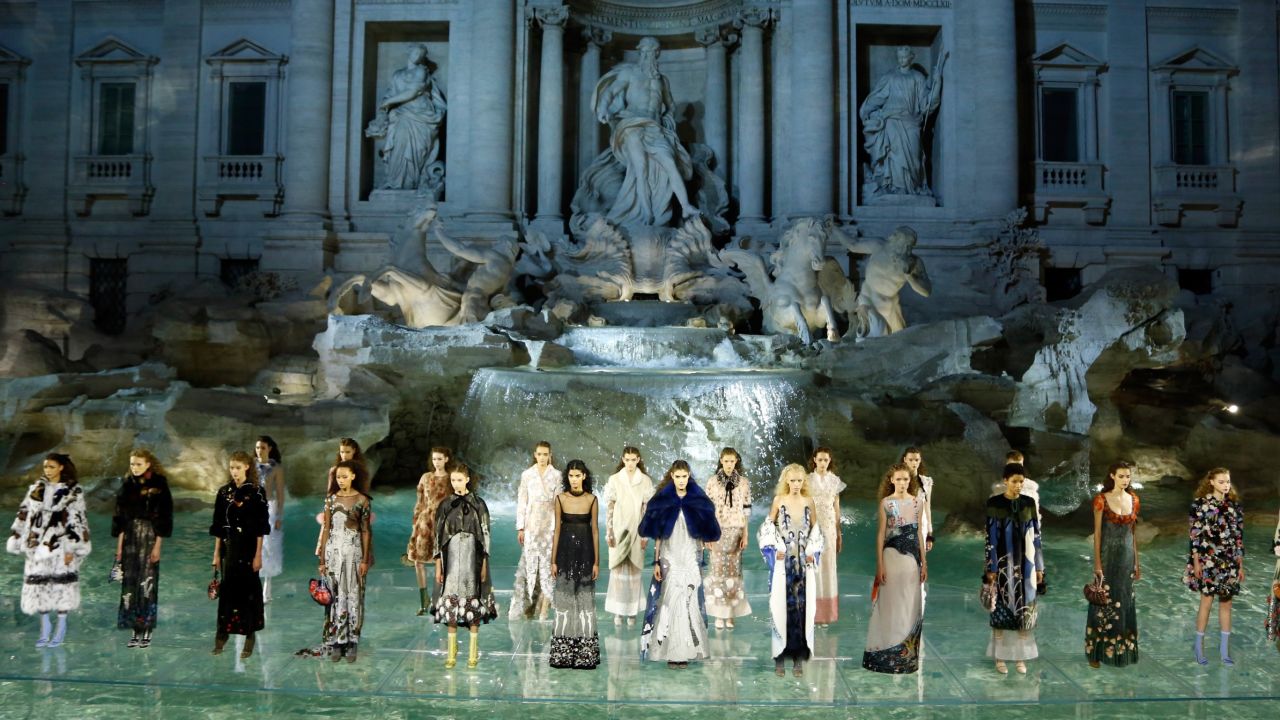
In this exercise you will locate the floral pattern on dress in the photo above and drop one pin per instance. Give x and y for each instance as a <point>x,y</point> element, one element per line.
<point>422,540</point>
<point>1111,632</point>
<point>726,597</point>
<point>1217,538</point>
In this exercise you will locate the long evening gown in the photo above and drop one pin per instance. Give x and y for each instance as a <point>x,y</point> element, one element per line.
<point>574,641</point>
<point>1111,632</point>
<point>343,552</point>
<point>897,609</point>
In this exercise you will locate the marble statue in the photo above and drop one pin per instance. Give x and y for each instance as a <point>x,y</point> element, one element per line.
<point>792,301</point>
<point>409,117</point>
<point>893,118</point>
<point>494,266</point>
<point>891,265</point>
<point>645,167</point>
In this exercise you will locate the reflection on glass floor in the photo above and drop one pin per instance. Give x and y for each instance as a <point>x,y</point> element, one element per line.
<point>401,671</point>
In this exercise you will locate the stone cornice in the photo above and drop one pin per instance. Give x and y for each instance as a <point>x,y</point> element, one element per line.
<point>1076,9</point>
<point>669,19</point>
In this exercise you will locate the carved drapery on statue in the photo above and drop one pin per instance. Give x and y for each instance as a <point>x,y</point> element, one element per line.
<point>409,120</point>
<point>893,119</point>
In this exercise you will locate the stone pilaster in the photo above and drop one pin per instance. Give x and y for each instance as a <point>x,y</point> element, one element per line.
<point>750,171</point>
<point>812,150</point>
<point>493,53</point>
<point>551,117</point>
<point>588,126</point>
<point>1259,102</point>
<point>994,150</point>
<point>1128,152</point>
<point>715,96</point>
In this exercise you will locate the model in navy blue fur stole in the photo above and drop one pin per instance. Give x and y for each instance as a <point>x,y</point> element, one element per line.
<point>665,506</point>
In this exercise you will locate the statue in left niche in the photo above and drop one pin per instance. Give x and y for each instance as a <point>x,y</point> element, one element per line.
<point>409,119</point>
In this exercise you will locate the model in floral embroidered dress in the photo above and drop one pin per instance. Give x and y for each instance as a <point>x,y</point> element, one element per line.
<point>348,449</point>
<point>51,532</point>
<point>791,544</point>
<point>1111,633</point>
<point>730,491</point>
<point>897,595</point>
<point>625,497</point>
<point>270,475</point>
<point>433,487</point>
<point>1215,563</point>
<point>464,593</point>
<point>535,523</point>
<point>575,554</point>
<point>345,544</point>
<point>826,487</point>
<point>142,520</point>
<point>1015,564</point>
<point>238,528</point>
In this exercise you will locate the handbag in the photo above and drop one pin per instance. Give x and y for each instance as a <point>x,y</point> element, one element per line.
<point>215,586</point>
<point>1097,592</point>
<point>320,591</point>
<point>987,595</point>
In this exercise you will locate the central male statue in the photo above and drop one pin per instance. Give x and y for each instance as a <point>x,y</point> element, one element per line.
<point>636,99</point>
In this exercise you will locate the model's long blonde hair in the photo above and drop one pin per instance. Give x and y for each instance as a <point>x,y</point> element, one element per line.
<point>1206,484</point>
<point>793,469</point>
<point>886,482</point>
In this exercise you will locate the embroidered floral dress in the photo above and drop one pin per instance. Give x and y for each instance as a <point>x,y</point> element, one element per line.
<point>897,607</point>
<point>462,554</point>
<point>792,590</point>
<point>1217,538</point>
<point>432,489</point>
<point>826,489</point>
<point>726,597</point>
<point>144,511</point>
<point>1111,633</point>
<point>535,515</point>
<point>239,519</point>
<point>346,547</point>
<point>51,524</point>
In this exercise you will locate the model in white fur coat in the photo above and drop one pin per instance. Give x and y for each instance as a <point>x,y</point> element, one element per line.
<point>791,543</point>
<point>52,532</point>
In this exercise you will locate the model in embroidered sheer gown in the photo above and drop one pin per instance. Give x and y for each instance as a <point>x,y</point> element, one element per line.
<point>344,545</point>
<point>433,488</point>
<point>238,528</point>
<point>535,524</point>
<point>464,591</point>
<point>682,521</point>
<point>625,497</point>
<point>574,641</point>
<point>51,531</point>
<point>826,487</point>
<point>142,520</point>
<point>897,596</point>
<point>348,449</point>
<point>270,475</point>
<point>730,491</point>
<point>1111,631</point>
<point>1215,563</point>
<point>791,544</point>
<point>1015,563</point>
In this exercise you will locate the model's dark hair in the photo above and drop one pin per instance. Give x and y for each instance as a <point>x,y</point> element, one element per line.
<point>274,449</point>
<point>631,450</point>
<point>461,467</point>
<point>69,475</point>
<point>156,468</point>
<point>886,481</point>
<point>576,465</point>
<point>677,465</point>
<point>737,465</point>
<point>919,471</point>
<point>1011,469</point>
<point>1206,484</point>
<point>361,481</point>
<point>446,452</point>
<point>1109,482</point>
<point>831,466</point>
<point>357,456</point>
<point>244,458</point>
<point>543,443</point>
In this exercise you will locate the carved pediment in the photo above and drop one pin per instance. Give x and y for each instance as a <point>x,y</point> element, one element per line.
<point>114,50</point>
<point>9,57</point>
<point>1065,54</point>
<point>1196,59</point>
<point>245,50</point>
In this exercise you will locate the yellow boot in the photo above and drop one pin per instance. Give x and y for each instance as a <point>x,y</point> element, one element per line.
<point>451,659</point>
<point>473,652</point>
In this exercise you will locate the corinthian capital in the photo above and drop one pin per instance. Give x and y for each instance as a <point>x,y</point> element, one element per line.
<point>556,15</point>
<point>597,36</point>
<point>756,16</point>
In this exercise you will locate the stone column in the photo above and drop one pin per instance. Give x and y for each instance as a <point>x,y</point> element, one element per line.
<point>493,56</point>
<point>812,149</point>
<point>750,170</point>
<point>715,97</point>
<point>551,116</point>
<point>1128,144</point>
<point>995,104</point>
<point>1258,100</point>
<point>310,80</point>
<point>588,124</point>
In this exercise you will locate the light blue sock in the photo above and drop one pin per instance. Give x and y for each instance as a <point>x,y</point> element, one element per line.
<point>61,633</point>
<point>1224,650</point>
<point>45,628</point>
<point>1200,658</point>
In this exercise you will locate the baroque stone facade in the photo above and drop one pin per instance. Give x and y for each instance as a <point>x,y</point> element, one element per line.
<point>167,140</point>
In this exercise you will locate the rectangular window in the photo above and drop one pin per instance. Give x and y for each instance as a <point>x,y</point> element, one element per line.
<point>4,118</point>
<point>246,118</point>
<point>1190,127</point>
<point>1059,129</point>
<point>108,278</point>
<point>115,119</point>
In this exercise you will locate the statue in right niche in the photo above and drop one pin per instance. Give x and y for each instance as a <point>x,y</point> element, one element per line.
<point>893,119</point>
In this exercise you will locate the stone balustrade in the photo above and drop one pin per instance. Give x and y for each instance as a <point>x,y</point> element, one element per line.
<point>1208,187</point>
<point>111,176</point>
<point>242,177</point>
<point>1071,184</point>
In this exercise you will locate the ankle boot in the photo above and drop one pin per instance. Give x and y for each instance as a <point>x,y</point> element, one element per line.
<point>451,659</point>
<point>45,628</point>
<point>422,601</point>
<point>60,633</point>
<point>473,652</point>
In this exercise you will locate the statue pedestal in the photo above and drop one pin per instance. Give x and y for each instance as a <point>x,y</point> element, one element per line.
<point>646,313</point>
<point>899,200</point>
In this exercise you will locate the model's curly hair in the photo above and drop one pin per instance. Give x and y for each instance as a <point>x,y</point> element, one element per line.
<point>886,482</point>
<point>1205,487</point>
<point>1109,482</point>
<point>351,443</point>
<point>784,488</point>
<point>69,476</point>
<point>361,475</point>
<point>156,468</point>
